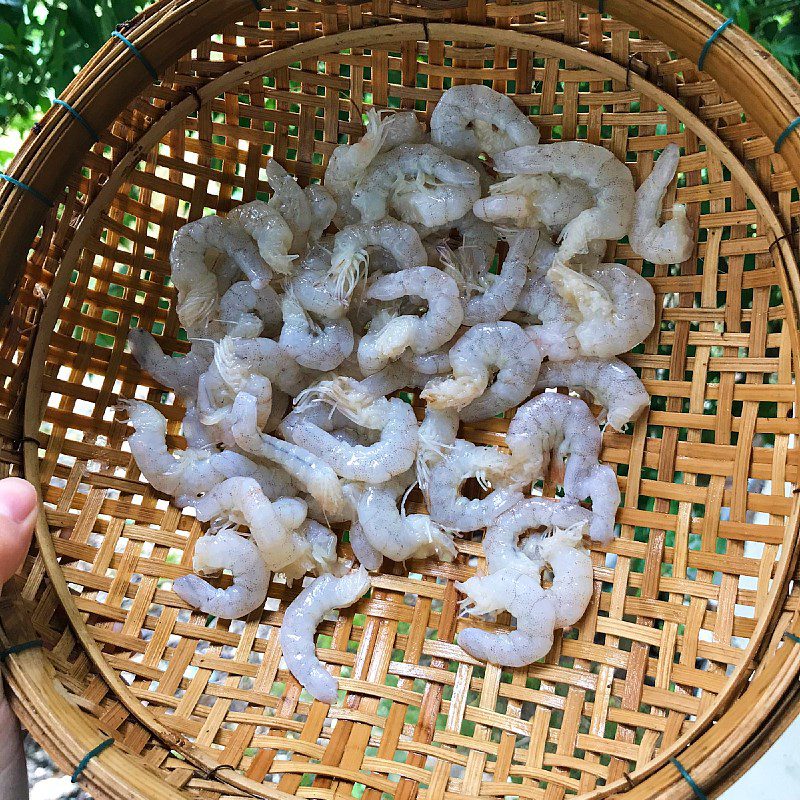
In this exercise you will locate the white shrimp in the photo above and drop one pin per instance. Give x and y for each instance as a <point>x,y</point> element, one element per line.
<point>600,485</point>
<point>226,550</point>
<point>474,255</point>
<point>319,345</point>
<point>198,294</point>
<point>197,435</point>
<point>316,287</point>
<point>291,202</point>
<point>426,185</point>
<point>402,127</point>
<point>464,460</point>
<point>319,556</point>
<point>434,363</point>
<point>613,307</point>
<point>369,557</point>
<point>436,436</point>
<point>521,595</point>
<point>225,378</point>
<point>527,201</point>
<point>271,232</point>
<point>311,472</point>
<point>394,419</point>
<point>300,622</point>
<point>386,342</point>
<point>322,206</point>
<point>474,119</point>
<point>187,474</point>
<point>392,533</point>
<point>501,540</point>
<point>500,350</point>
<point>250,312</point>
<point>608,178</point>
<point>350,258</point>
<point>179,373</point>
<point>266,357</point>
<point>672,242</point>
<point>538,611</point>
<point>611,382</point>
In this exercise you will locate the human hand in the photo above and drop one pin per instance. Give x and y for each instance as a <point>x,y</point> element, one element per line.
<point>18,507</point>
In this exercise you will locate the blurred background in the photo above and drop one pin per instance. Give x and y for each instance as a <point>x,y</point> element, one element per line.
<point>43,44</point>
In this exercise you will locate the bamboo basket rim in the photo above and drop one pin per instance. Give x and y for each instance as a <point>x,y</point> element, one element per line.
<point>323,44</point>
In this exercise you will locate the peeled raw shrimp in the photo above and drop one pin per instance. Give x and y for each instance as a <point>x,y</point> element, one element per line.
<point>672,242</point>
<point>538,611</point>
<point>316,287</point>
<point>319,345</point>
<point>501,540</point>
<point>474,256</point>
<point>434,363</point>
<point>225,378</point>
<point>369,557</point>
<point>391,532</point>
<point>613,307</point>
<point>421,334</point>
<point>319,555</point>
<point>391,455</point>
<point>311,472</point>
<point>322,206</point>
<point>267,357</point>
<point>523,597</point>
<point>270,231</point>
<point>611,382</point>
<point>474,119</point>
<point>426,185</point>
<point>198,296</point>
<point>250,312</point>
<point>436,436</point>
<point>401,127</point>
<point>501,350</point>
<point>445,503</point>
<point>350,258</point>
<point>608,178</point>
<point>600,485</point>
<point>291,202</point>
<point>300,622</point>
<point>187,474</point>
<point>526,201</point>
<point>179,373</point>
<point>226,550</point>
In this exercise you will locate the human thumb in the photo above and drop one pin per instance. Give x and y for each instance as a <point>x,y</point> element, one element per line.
<point>18,503</point>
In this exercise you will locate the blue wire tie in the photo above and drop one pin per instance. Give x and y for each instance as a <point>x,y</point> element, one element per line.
<point>711,39</point>
<point>84,762</point>
<point>89,129</point>
<point>19,648</point>
<point>35,192</point>
<point>137,52</point>
<point>698,792</point>
<point>795,639</point>
<point>785,135</point>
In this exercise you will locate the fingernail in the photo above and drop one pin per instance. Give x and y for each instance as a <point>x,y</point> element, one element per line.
<point>17,499</point>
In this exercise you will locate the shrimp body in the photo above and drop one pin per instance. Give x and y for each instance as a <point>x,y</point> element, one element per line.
<point>300,622</point>
<point>446,504</point>
<point>226,550</point>
<point>322,206</point>
<point>432,187</point>
<point>315,345</point>
<point>391,455</point>
<point>270,231</point>
<point>613,307</point>
<point>187,474</point>
<point>421,334</point>
<point>572,573</point>
<point>672,242</point>
<point>501,350</point>
<point>599,483</point>
<point>198,295</point>
<point>316,286</point>
<point>179,373</point>
<point>521,595</point>
<point>436,436</point>
<point>608,178</point>
<point>474,119</point>
<point>434,363</point>
<point>392,533</point>
<point>527,201</point>
<point>369,557</point>
<point>291,202</point>
<point>311,472</point>
<point>250,312</point>
<point>350,258</point>
<point>611,382</point>
<point>268,358</point>
<point>501,541</point>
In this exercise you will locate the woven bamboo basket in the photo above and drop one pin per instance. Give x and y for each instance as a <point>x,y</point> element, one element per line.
<point>685,666</point>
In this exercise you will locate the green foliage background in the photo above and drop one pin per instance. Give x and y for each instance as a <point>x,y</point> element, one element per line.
<point>45,42</point>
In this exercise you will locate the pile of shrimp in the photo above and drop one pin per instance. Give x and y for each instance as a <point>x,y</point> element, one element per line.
<point>463,264</point>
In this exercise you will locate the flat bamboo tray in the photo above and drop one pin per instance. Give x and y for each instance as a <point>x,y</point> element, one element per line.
<point>684,667</point>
